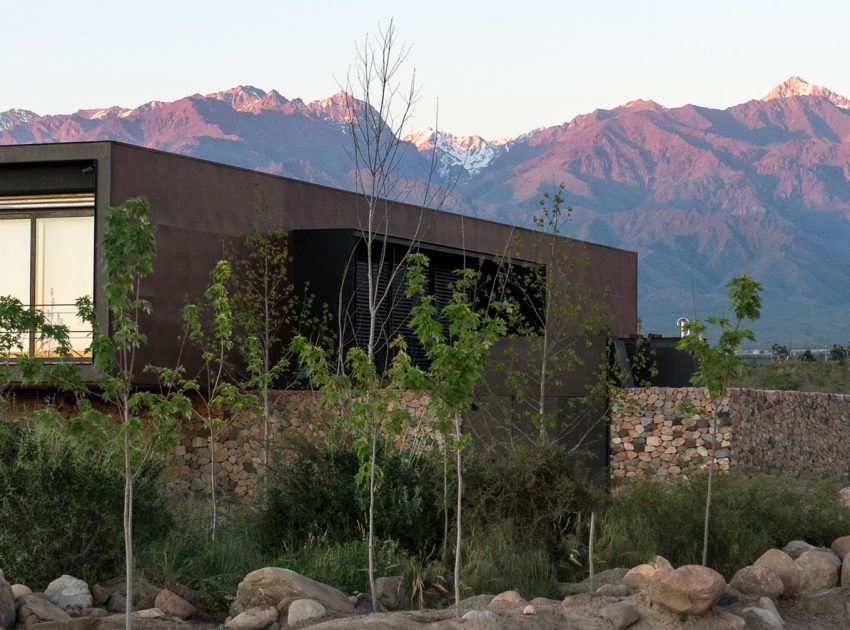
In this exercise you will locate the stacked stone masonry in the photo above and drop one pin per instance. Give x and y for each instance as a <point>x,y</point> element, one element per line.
<point>235,453</point>
<point>659,431</point>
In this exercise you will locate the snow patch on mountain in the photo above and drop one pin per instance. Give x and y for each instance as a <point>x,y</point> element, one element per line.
<point>471,153</point>
<point>795,86</point>
<point>16,116</point>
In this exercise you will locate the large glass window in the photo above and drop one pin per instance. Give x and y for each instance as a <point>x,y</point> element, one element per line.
<point>47,252</point>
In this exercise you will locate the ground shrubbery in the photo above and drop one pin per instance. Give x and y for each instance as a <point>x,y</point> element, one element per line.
<point>751,512</point>
<point>61,506</point>
<point>526,521</point>
<point>832,377</point>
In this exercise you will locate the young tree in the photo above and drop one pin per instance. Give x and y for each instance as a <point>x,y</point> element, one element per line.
<point>553,316</point>
<point>380,103</point>
<point>456,363</point>
<point>266,308</point>
<point>718,364</point>
<point>139,423</point>
<point>208,326</point>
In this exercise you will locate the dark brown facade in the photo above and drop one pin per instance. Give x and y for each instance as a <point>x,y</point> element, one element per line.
<point>198,205</point>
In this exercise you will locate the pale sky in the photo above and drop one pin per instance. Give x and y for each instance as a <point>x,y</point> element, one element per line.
<point>498,68</point>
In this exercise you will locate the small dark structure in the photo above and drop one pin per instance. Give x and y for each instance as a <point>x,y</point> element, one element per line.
<point>198,205</point>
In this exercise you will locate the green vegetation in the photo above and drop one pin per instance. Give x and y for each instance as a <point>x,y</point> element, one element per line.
<point>832,377</point>
<point>60,508</point>
<point>751,512</point>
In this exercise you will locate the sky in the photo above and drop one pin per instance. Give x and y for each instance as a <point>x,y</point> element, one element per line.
<point>497,69</point>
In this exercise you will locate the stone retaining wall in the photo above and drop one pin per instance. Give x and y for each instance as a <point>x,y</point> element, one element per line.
<point>238,445</point>
<point>659,431</point>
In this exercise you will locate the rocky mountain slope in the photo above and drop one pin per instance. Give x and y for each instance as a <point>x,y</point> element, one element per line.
<point>702,194</point>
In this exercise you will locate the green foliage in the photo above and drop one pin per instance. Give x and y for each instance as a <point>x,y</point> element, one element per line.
<point>718,363</point>
<point>542,492</point>
<point>751,512</point>
<point>186,559</point>
<point>822,376</point>
<point>808,357</point>
<point>838,353</point>
<point>780,353</point>
<point>60,509</point>
<point>314,494</point>
<point>498,559</point>
<point>344,565</point>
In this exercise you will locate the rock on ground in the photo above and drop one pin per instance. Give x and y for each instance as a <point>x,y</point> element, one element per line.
<point>173,605</point>
<point>691,589</point>
<point>388,591</point>
<point>841,547</point>
<point>69,592</point>
<point>278,587</point>
<point>20,589</point>
<point>509,599</point>
<point>819,569</point>
<point>845,571</point>
<point>621,615</point>
<point>7,605</point>
<point>253,619</point>
<point>304,610</point>
<point>785,567</point>
<point>828,601</point>
<point>33,609</point>
<point>796,548</point>
<point>638,577</point>
<point>758,580</point>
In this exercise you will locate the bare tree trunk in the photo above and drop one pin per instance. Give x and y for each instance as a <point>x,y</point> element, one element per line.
<point>266,434</point>
<point>458,516</point>
<point>128,528</point>
<point>708,492</point>
<point>373,591</point>
<point>445,504</point>
<point>590,549</point>
<point>212,478</point>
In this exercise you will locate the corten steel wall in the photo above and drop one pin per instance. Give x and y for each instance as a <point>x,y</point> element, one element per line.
<point>198,205</point>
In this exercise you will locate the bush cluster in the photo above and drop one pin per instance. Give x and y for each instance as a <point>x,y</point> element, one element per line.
<point>61,509</point>
<point>750,513</point>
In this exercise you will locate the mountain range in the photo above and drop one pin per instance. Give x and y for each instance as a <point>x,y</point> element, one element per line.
<point>701,194</point>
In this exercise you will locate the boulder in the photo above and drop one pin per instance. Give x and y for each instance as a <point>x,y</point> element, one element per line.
<point>304,610</point>
<point>691,589</point>
<point>766,617</point>
<point>819,569</point>
<point>796,548</point>
<point>33,609</point>
<point>638,577</point>
<point>614,590</point>
<point>767,604</point>
<point>785,567</point>
<point>173,605</point>
<point>480,615</point>
<point>841,547</point>
<point>621,615</point>
<point>7,604</point>
<point>388,591</point>
<point>529,610</point>
<point>69,592</point>
<point>845,571</point>
<point>93,612</point>
<point>844,495</point>
<point>149,613</point>
<point>278,587</point>
<point>758,580</point>
<point>253,619</point>
<point>579,599</point>
<point>20,589</point>
<point>732,621</point>
<point>116,603</point>
<point>507,599</point>
<point>827,601</point>
<point>99,595</point>
<point>661,562</point>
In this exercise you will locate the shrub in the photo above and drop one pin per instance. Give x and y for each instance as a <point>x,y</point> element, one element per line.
<point>498,559</point>
<point>187,557</point>
<point>314,495</point>
<point>539,492</point>
<point>344,564</point>
<point>751,512</point>
<point>61,507</point>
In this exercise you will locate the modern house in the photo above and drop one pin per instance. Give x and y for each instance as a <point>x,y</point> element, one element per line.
<point>54,199</point>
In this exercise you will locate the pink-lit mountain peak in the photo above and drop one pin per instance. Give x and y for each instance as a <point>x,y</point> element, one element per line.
<point>796,86</point>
